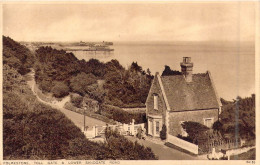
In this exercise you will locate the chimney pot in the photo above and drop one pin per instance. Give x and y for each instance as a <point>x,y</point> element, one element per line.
<point>186,68</point>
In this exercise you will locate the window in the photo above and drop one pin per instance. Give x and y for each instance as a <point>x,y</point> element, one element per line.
<point>208,122</point>
<point>157,127</point>
<point>155,101</point>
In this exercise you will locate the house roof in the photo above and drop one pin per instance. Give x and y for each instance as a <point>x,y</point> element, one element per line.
<point>182,95</point>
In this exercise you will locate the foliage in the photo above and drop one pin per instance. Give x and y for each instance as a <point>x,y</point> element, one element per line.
<point>79,83</point>
<point>60,89</point>
<point>195,131</point>
<point>167,71</point>
<point>239,114</point>
<point>163,132</point>
<point>17,56</point>
<point>121,148</point>
<point>121,87</point>
<point>225,102</point>
<point>139,132</point>
<point>32,130</point>
<point>122,116</point>
<point>76,100</point>
<point>127,87</point>
<point>217,126</point>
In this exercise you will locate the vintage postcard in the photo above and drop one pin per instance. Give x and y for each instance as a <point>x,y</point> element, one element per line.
<point>117,82</point>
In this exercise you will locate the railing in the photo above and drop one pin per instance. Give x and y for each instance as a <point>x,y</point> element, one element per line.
<point>218,145</point>
<point>123,129</point>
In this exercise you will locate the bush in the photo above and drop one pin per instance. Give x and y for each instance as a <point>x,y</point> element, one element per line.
<point>122,116</point>
<point>80,83</point>
<point>121,148</point>
<point>218,126</point>
<point>139,133</point>
<point>76,100</point>
<point>195,131</point>
<point>60,90</point>
<point>163,132</point>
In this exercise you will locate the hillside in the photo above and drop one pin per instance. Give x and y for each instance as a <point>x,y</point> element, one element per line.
<point>33,130</point>
<point>17,56</point>
<point>59,72</point>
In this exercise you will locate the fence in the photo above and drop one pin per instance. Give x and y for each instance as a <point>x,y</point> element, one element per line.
<point>123,129</point>
<point>219,145</point>
<point>193,148</point>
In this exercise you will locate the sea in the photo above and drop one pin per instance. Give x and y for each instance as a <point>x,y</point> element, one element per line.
<point>231,64</point>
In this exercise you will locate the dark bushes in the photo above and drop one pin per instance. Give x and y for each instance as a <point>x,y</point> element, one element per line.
<point>122,116</point>
<point>17,56</point>
<point>60,90</point>
<point>121,148</point>
<point>163,132</point>
<point>76,100</point>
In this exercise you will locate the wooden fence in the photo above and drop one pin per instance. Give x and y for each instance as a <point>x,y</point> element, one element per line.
<point>224,144</point>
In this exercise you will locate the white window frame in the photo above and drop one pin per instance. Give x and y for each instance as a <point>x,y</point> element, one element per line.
<point>209,118</point>
<point>155,101</point>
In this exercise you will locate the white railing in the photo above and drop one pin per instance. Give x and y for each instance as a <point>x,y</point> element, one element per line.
<point>193,148</point>
<point>124,129</point>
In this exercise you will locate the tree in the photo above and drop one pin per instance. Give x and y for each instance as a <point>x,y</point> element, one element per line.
<point>163,132</point>
<point>60,89</point>
<point>80,83</point>
<point>167,71</point>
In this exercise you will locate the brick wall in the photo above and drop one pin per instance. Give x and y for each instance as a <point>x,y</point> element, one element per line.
<point>175,118</point>
<point>155,88</point>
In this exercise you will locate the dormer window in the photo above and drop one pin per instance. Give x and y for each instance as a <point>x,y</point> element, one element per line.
<point>155,101</point>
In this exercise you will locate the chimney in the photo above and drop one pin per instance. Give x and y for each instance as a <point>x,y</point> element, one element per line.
<point>186,68</point>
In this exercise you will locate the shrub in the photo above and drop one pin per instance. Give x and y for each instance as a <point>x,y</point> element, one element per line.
<point>218,126</point>
<point>139,133</point>
<point>60,90</point>
<point>196,131</point>
<point>76,100</point>
<point>80,82</point>
<point>163,132</point>
<point>120,147</point>
<point>122,116</point>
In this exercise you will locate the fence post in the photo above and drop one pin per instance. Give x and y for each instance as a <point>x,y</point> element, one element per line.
<point>132,128</point>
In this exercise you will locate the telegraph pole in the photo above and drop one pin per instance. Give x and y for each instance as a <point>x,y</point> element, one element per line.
<point>84,118</point>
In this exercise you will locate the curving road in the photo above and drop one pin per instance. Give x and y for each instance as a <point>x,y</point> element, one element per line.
<point>76,118</point>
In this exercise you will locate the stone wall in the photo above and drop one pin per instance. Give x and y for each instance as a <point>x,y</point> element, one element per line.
<point>175,118</point>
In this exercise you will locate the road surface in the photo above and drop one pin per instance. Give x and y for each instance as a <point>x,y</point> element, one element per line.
<point>164,152</point>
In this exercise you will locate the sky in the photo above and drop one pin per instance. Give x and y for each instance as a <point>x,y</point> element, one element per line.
<point>178,21</point>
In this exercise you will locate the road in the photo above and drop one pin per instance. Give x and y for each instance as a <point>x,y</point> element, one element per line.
<point>164,152</point>
<point>76,118</point>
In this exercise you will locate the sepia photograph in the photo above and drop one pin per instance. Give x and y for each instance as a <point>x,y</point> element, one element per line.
<point>128,80</point>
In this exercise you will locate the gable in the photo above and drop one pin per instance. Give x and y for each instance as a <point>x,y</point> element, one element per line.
<point>155,90</point>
